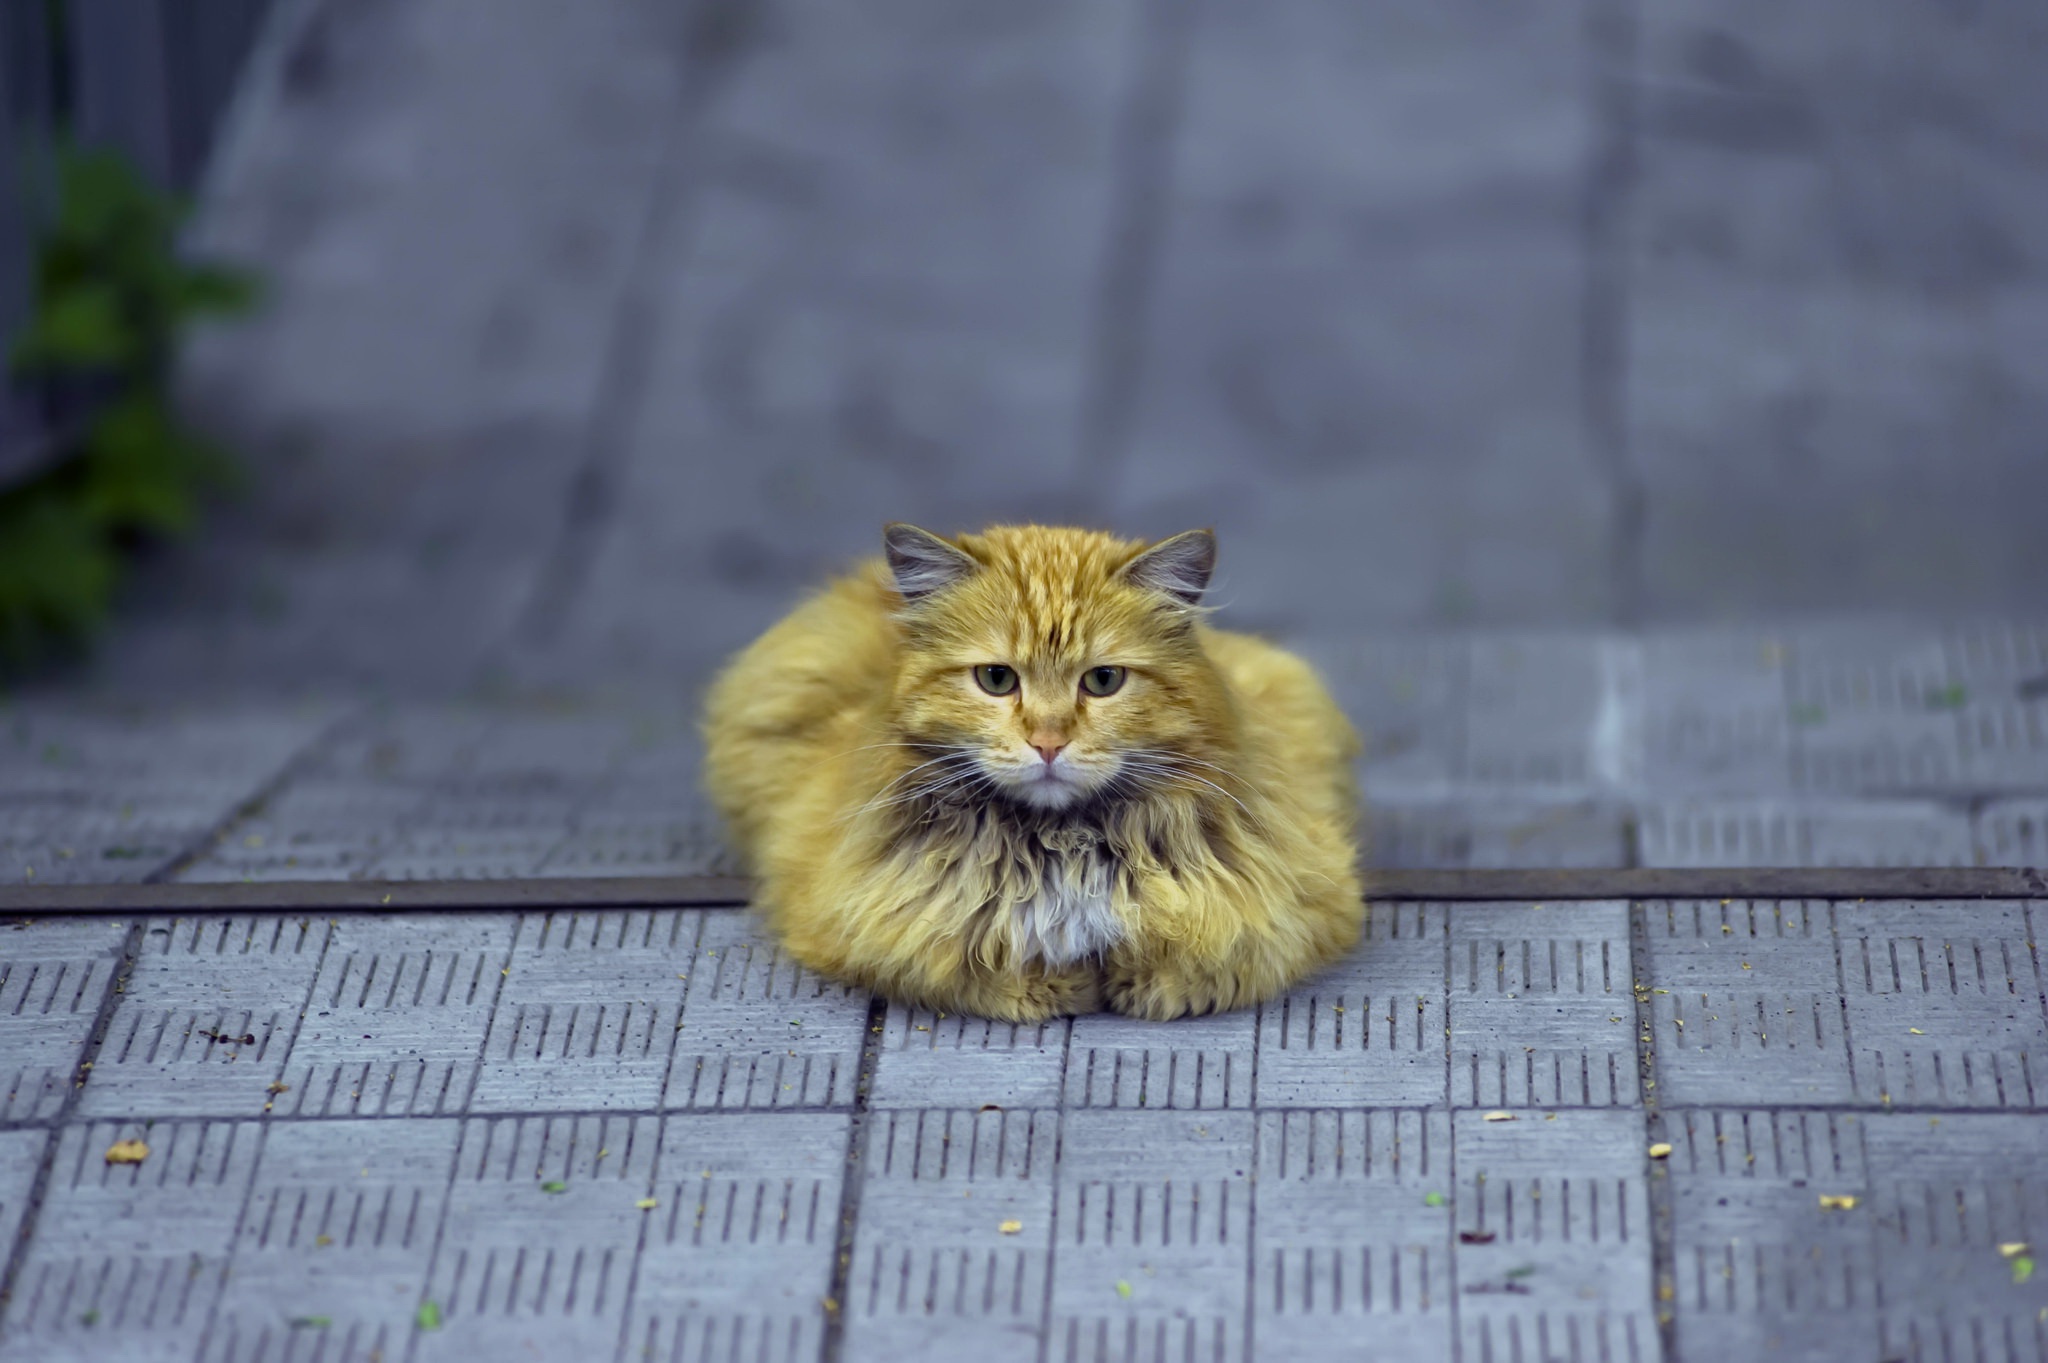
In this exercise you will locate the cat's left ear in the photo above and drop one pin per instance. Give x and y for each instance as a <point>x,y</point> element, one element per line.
<point>1180,566</point>
<point>922,562</point>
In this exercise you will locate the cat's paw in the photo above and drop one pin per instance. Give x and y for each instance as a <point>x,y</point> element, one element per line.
<point>1035,998</point>
<point>1162,995</point>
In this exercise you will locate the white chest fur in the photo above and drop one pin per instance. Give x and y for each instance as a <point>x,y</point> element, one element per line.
<point>1070,918</point>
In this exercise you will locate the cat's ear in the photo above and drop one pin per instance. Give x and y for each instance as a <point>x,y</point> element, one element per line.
<point>922,562</point>
<point>1180,566</point>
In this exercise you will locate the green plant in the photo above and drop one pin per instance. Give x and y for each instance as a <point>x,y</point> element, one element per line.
<point>113,298</point>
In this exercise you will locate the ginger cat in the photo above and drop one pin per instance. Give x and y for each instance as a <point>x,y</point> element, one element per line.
<point>1013,774</point>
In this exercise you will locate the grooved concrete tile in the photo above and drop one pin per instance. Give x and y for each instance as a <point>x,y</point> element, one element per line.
<point>1205,1062</point>
<point>207,1016</point>
<point>635,832</point>
<point>1553,1251</point>
<point>1874,712</point>
<point>53,977</point>
<point>958,1061</point>
<point>2002,711</point>
<point>1944,1004</point>
<point>1151,1241</point>
<point>1369,1029</point>
<point>1778,832</point>
<point>1758,1262</point>
<point>95,794</point>
<point>1714,712</point>
<point>737,1259</point>
<point>2013,833</point>
<point>1492,832</point>
<point>1541,1008</point>
<point>341,1225</point>
<point>1405,697</point>
<point>1946,1192</point>
<point>955,1235</point>
<point>1348,1255</point>
<point>129,1260</point>
<point>499,1287</point>
<point>1553,710</point>
<point>587,1011</point>
<point>21,1154</point>
<point>759,1030</point>
<point>396,1018</point>
<point>1745,1003</point>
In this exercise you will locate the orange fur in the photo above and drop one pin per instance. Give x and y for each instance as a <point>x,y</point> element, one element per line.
<point>1202,819</point>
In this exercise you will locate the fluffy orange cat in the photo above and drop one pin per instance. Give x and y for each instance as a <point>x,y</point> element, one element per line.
<point>1013,774</point>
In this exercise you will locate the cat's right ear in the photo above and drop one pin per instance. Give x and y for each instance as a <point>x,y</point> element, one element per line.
<point>922,562</point>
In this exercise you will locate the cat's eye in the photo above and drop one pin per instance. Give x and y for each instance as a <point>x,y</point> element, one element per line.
<point>1102,681</point>
<point>996,679</point>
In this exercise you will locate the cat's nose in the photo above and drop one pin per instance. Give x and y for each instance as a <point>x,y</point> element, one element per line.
<point>1047,750</point>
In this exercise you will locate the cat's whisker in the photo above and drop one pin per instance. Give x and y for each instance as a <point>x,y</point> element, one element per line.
<point>1176,771</point>
<point>870,747</point>
<point>949,756</point>
<point>922,790</point>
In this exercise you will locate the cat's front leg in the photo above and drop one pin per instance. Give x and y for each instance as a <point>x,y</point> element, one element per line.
<point>1029,995</point>
<point>1208,944</point>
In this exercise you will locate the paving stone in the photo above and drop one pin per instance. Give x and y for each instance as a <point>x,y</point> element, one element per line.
<point>759,1031</point>
<point>737,1259</point>
<point>1493,832</point>
<point>958,1061</point>
<point>587,1011</point>
<point>129,1260</point>
<point>1553,710</point>
<point>1554,1250</point>
<point>1541,1008</point>
<point>1946,1193</point>
<point>21,1155</point>
<point>1803,832</point>
<point>94,794</point>
<point>2012,833</point>
<point>1405,695</point>
<point>1944,1004</point>
<point>498,1288</point>
<point>1759,1263</point>
<point>1369,1030</point>
<point>1348,1253</point>
<point>54,975</point>
<point>1873,714</point>
<point>1746,1003</point>
<point>1715,712</point>
<point>340,1228</point>
<point>956,1233</point>
<point>1151,1235</point>
<point>1383,488</point>
<point>397,1016</point>
<point>1120,1062</point>
<point>207,1016</point>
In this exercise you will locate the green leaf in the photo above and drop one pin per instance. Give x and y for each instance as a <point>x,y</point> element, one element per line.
<point>57,573</point>
<point>1432,1199</point>
<point>82,327</point>
<point>428,1317</point>
<point>2022,1269</point>
<point>216,289</point>
<point>1123,1289</point>
<point>1808,715</point>
<point>311,1322</point>
<point>554,1185</point>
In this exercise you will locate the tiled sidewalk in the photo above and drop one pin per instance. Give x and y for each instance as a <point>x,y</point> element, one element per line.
<point>643,1134</point>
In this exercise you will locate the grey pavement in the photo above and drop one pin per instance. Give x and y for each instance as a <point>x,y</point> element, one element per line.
<point>1636,412</point>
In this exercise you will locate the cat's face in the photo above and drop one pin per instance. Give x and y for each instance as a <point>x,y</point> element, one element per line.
<point>1054,666</point>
